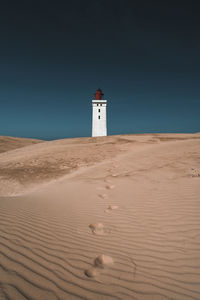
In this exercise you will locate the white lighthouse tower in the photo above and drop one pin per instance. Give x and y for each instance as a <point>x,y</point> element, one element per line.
<point>99,126</point>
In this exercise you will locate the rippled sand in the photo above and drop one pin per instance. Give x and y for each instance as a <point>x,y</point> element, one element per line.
<point>101,218</point>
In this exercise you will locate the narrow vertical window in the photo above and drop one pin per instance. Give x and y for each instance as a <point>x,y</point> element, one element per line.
<point>99,117</point>
<point>99,109</point>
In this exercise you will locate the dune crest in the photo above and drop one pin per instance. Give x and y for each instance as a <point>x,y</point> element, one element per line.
<point>8,143</point>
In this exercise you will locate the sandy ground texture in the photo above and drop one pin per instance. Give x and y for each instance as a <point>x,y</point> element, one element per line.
<point>101,218</point>
<point>9,143</point>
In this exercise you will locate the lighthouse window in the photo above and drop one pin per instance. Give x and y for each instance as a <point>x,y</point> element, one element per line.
<point>99,109</point>
<point>99,117</point>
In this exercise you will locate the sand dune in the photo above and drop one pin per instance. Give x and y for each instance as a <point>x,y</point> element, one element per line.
<point>120,222</point>
<point>9,143</point>
<point>29,166</point>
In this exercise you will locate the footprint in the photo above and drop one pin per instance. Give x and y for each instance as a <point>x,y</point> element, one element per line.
<point>110,186</point>
<point>103,196</point>
<point>97,228</point>
<point>195,172</point>
<point>100,229</point>
<point>100,263</point>
<point>91,272</point>
<point>115,174</point>
<point>105,270</point>
<point>111,207</point>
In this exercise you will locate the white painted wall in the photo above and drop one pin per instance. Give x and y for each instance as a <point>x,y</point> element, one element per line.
<point>99,126</point>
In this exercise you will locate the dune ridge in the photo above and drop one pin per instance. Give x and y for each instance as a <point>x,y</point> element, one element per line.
<point>8,143</point>
<point>149,220</point>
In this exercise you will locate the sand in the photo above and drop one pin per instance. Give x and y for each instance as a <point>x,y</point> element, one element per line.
<point>101,218</point>
<point>10,143</point>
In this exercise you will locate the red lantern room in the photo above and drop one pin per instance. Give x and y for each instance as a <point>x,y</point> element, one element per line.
<point>98,94</point>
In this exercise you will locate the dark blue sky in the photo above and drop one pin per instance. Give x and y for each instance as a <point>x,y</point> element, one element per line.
<point>144,55</point>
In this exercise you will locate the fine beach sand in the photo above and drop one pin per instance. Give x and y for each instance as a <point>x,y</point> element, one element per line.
<point>9,143</point>
<point>116,217</point>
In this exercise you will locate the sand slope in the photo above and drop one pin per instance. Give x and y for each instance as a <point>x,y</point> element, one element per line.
<point>9,143</point>
<point>124,225</point>
<point>25,168</point>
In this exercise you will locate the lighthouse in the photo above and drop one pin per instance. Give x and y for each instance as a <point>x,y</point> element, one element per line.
<point>99,127</point>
